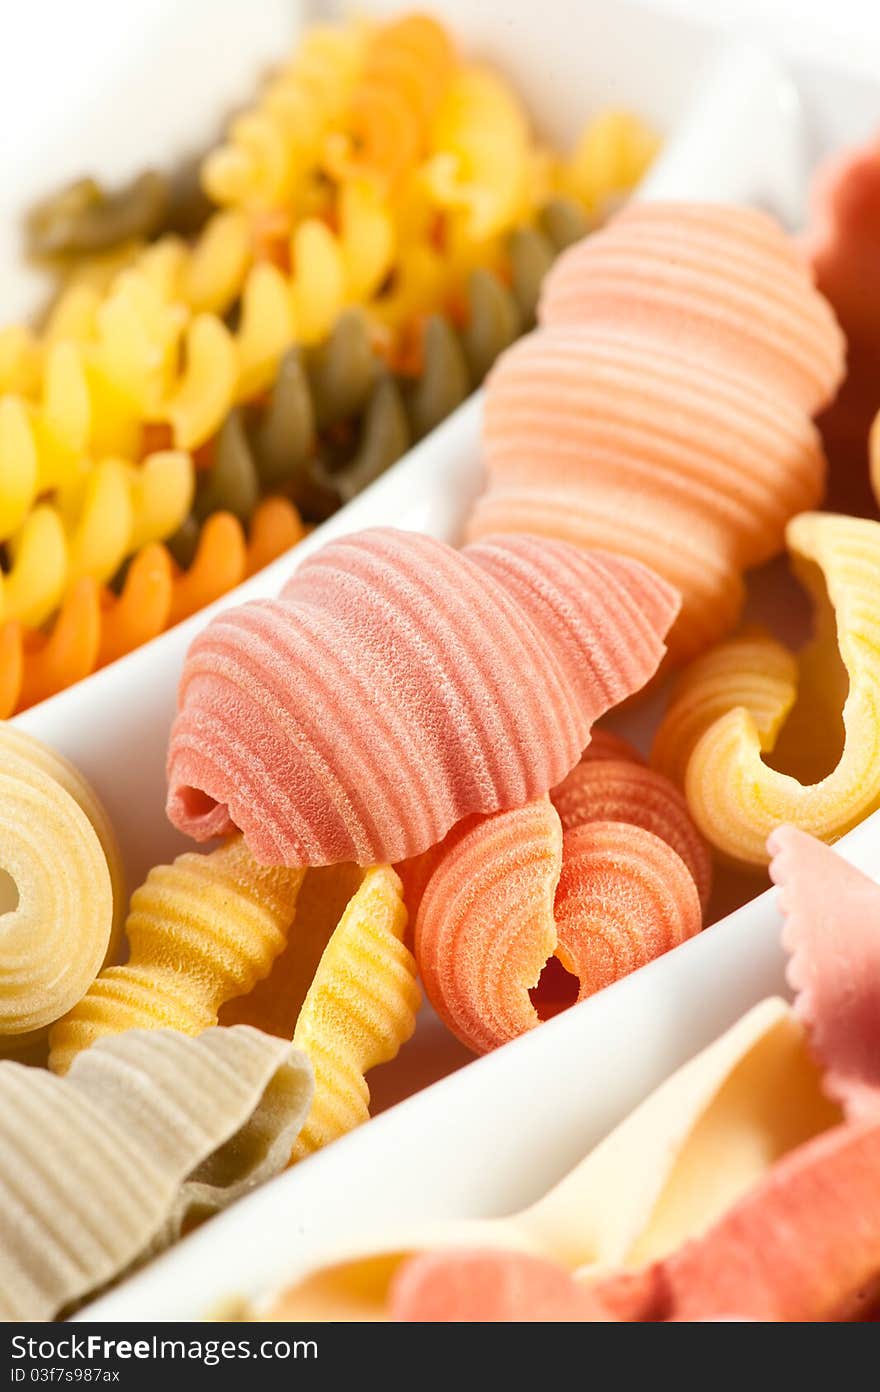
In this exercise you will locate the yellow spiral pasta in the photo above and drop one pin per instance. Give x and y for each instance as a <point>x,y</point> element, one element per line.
<point>728,720</point>
<point>112,511</point>
<point>61,886</point>
<point>328,270</point>
<point>374,170</point>
<point>201,931</point>
<point>270,148</point>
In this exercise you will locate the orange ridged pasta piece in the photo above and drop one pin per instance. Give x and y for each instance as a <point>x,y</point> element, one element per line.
<point>408,65</point>
<point>69,652</point>
<point>274,528</point>
<point>662,410</point>
<point>11,668</point>
<point>141,611</point>
<point>220,563</point>
<point>615,790</point>
<point>511,891</point>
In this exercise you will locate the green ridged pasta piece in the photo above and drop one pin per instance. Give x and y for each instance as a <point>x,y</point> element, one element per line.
<point>83,218</point>
<point>385,436</point>
<point>286,438</point>
<point>531,256</point>
<point>493,322</point>
<point>444,382</point>
<point>563,222</point>
<point>232,484</point>
<point>342,371</point>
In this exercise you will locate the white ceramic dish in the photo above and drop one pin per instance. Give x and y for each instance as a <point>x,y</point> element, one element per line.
<point>733,131</point>
<point>737,127</point>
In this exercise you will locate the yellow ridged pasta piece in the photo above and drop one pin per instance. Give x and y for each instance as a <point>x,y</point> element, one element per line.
<point>100,519</point>
<point>206,389</point>
<point>161,491</point>
<point>345,987</point>
<point>20,360</point>
<point>735,797</point>
<point>266,329</point>
<point>269,148</point>
<point>139,334</point>
<point>612,155</point>
<point>215,267</point>
<point>18,465</point>
<point>751,670</point>
<point>201,931</point>
<point>359,1010</point>
<point>63,888</point>
<point>483,156</point>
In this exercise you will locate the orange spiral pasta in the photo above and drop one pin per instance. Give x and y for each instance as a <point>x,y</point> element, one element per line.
<point>510,891</point>
<point>662,409</point>
<point>615,790</point>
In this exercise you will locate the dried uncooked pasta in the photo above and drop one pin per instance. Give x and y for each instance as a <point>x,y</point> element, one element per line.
<point>100,1169</point>
<point>727,716</point>
<point>61,859</point>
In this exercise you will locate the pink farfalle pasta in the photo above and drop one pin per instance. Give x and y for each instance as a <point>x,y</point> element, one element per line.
<point>398,686</point>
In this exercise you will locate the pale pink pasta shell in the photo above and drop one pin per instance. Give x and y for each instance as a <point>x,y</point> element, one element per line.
<point>399,685</point>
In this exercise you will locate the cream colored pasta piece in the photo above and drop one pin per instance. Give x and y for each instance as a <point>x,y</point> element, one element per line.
<point>102,1168</point>
<point>65,888</point>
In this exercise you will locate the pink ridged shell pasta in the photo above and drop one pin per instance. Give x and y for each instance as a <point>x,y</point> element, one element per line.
<point>399,685</point>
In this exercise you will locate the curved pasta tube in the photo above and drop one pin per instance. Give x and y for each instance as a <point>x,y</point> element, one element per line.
<point>735,797</point>
<point>201,931</point>
<point>61,857</point>
<point>510,891</point>
<point>751,670</point>
<point>199,1121</point>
